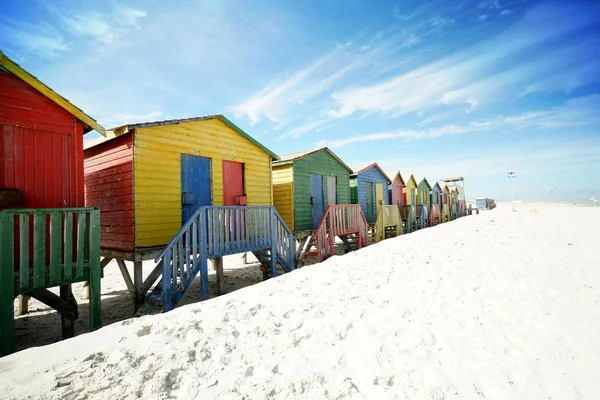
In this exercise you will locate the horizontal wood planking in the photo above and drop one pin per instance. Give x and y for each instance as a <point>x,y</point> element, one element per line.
<point>22,105</point>
<point>283,193</point>
<point>370,175</point>
<point>322,163</point>
<point>411,184</point>
<point>109,186</point>
<point>157,172</point>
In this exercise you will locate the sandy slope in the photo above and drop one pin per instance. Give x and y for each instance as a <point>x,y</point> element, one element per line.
<point>500,305</point>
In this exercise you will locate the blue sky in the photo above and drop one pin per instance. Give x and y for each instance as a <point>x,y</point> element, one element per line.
<point>447,88</point>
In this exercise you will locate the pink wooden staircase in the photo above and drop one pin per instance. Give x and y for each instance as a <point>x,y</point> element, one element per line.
<point>345,221</point>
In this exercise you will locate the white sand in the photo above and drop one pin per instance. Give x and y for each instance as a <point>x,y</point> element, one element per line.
<point>498,305</point>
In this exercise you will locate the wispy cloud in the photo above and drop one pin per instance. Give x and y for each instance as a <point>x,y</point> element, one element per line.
<point>475,75</point>
<point>305,128</point>
<point>577,112</point>
<point>105,27</point>
<point>41,39</point>
<point>507,12</point>
<point>133,118</point>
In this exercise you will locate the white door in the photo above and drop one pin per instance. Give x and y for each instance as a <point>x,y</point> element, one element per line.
<point>331,190</point>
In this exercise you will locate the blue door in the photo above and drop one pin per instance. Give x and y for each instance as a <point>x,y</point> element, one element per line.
<point>195,184</point>
<point>316,199</point>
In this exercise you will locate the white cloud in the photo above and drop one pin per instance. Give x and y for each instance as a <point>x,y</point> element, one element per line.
<point>105,27</point>
<point>483,17</point>
<point>507,12</point>
<point>581,111</point>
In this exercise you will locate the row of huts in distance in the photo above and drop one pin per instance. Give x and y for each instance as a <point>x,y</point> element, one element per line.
<point>179,192</point>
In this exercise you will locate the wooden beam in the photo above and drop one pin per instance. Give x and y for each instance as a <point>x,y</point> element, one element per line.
<point>126,276</point>
<point>218,265</point>
<point>154,275</point>
<point>68,326</point>
<point>59,304</point>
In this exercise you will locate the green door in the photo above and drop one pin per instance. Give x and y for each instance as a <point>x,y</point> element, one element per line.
<point>369,191</point>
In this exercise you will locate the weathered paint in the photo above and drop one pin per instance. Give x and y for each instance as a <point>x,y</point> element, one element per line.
<point>374,175</point>
<point>379,197</point>
<point>411,191</point>
<point>233,182</point>
<point>196,190</point>
<point>323,163</point>
<point>316,196</point>
<point>41,147</point>
<point>331,190</point>
<point>109,186</point>
<point>283,192</point>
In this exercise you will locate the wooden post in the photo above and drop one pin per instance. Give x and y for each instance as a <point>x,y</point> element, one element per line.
<point>218,266</point>
<point>245,258</point>
<point>23,304</point>
<point>68,325</point>
<point>138,299</point>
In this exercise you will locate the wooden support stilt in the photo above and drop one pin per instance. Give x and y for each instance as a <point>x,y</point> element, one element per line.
<point>218,266</point>
<point>68,323</point>
<point>86,284</point>
<point>126,276</point>
<point>23,304</point>
<point>138,298</point>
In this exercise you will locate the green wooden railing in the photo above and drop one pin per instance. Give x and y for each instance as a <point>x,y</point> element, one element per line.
<point>43,248</point>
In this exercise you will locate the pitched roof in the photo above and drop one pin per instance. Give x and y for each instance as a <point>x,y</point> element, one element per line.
<point>360,168</point>
<point>396,174</point>
<point>438,185</point>
<point>8,65</point>
<point>121,130</point>
<point>287,158</point>
<point>421,179</point>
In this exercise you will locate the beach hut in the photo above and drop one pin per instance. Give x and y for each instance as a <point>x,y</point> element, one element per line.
<point>410,191</point>
<point>435,199</point>
<point>307,186</point>
<point>47,237</point>
<point>368,187</point>
<point>445,203</point>
<point>305,183</point>
<point>423,203</point>
<point>181,192</point>
<point>398,192</point>
<point>454,211</point>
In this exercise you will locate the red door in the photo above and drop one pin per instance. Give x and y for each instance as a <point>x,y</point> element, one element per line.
<point>233,182</point>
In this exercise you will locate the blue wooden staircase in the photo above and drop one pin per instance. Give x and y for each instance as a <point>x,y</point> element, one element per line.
<point>217,231</point>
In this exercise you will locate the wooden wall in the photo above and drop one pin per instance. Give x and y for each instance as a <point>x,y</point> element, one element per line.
<point>41,147</point>
<point>322,163</point>
<point>423,197</point>
<point>375,176</point>
<point>396,192</point>
<point>157,173</point>
<point>109,186</point>
<point>283,192</point>
<point>411,184</point>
